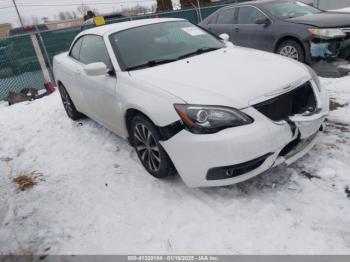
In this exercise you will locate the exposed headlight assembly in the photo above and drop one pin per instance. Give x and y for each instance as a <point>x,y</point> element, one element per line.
<point>327,33</point>
<point>314,77</point>
<point>210,119</point>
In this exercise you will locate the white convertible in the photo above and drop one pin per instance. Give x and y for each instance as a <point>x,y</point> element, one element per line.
<point>191,102</point>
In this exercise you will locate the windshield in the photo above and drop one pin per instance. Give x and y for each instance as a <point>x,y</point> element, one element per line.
<point>285,10</point>
<point>155,44</point>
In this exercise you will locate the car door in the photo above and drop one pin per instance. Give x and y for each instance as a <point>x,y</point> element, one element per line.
<point>224,22</point>
<point>99,91</point>
<point>249,33</point>
<point>72,68</point>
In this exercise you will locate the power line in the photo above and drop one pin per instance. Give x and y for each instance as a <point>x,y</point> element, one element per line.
<point>19,16</point>
<point>88,3</point>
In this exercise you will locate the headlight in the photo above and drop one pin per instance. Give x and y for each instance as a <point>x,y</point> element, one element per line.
<point>210,119</point>
<point>314,77</point>
<point>327,33</point>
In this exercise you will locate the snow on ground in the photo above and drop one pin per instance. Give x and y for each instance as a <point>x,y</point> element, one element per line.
<point>93,196</point>
<point>346,9</point>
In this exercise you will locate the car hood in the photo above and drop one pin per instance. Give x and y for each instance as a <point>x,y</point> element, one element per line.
<point>236,77</point>
<point>324,19</point>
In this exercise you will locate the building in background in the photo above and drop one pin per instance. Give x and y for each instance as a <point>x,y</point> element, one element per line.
<point>4,29</point>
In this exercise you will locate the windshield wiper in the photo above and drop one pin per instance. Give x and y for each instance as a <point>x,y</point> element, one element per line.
<point>164,61</point>
<point>151,63</point>
<point>199,51</point>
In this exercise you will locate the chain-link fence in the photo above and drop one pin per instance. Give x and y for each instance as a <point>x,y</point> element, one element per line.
<point>19,65</point>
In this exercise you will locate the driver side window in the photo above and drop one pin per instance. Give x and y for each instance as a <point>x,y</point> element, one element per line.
<point>75,52</point>
<point>91,49</point>
<point>226,17</point>
<point>248,15</point>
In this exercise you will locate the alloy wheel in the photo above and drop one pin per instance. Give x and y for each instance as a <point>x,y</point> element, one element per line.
<point>290,51</point>
<point>66,102</point>
<point>147,147</point>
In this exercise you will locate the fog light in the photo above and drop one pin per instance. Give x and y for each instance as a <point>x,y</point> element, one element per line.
<point>230,172</point>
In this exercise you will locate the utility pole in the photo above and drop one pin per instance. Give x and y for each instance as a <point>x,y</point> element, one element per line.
<point>39,54</point>
<point>19,16</point>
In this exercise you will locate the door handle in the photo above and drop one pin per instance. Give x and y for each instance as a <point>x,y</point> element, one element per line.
<point>237,30</point>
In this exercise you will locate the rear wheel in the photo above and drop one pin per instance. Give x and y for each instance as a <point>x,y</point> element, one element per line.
<point>145,139</point>
<point>68,104</point>
<point>291,49</point>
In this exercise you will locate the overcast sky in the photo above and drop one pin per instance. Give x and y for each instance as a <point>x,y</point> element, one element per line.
<point>42,8</point>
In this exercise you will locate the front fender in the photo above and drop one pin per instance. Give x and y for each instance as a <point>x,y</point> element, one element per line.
<point>155,103</point>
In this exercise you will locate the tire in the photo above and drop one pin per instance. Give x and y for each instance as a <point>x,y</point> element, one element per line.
<point>145,137</point>
<point>291,49</point>
<point>68,104</point>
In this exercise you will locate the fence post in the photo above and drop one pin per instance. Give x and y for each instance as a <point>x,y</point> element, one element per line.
<point>41,60</point>
<point>44,47</point>
<point>199,11</point>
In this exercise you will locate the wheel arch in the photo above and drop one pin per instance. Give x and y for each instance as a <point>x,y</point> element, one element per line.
<point>286,38</point>
<point>165,132</point>
<point>130,113</point>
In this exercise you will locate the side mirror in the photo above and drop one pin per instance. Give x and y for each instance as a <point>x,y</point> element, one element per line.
<point>263,21</point>
<point>96,69</point>
<point>225,37</point>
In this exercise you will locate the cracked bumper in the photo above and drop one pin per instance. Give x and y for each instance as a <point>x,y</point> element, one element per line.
<point>194,155</point>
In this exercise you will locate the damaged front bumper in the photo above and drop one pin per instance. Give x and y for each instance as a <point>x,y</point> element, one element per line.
<point>329,57</point>
<point>338,48</point>
<point>237,154</point>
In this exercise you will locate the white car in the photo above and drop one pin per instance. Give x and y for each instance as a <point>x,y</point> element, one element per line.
<point>191,102</point>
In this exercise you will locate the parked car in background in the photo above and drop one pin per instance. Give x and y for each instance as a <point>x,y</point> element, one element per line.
<point>27,29</point>
<point>216,113</point>
<point>289,28</point>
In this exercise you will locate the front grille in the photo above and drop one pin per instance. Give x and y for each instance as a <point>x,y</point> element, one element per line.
<point>297,101</point>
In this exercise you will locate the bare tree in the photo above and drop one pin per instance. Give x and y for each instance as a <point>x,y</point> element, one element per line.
<point>68,15</point>
<point>74,14</point>
<point>153,8</point>
<point>164,5</point>
<point>35,20</point>
<point>82,9</point>
<point>62,16</point>
<point>190,3</point>
<point>140,9</point>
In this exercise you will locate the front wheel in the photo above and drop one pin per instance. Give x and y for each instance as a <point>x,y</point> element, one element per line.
<point>145,139</point>
<point>68,104</point>
<point>291,49</point>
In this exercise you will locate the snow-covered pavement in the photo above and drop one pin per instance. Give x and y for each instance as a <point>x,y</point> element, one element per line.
<point>93,196</point>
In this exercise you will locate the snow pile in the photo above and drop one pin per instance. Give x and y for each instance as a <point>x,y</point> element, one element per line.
<point>93,195</point>
<point>346,9</point>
